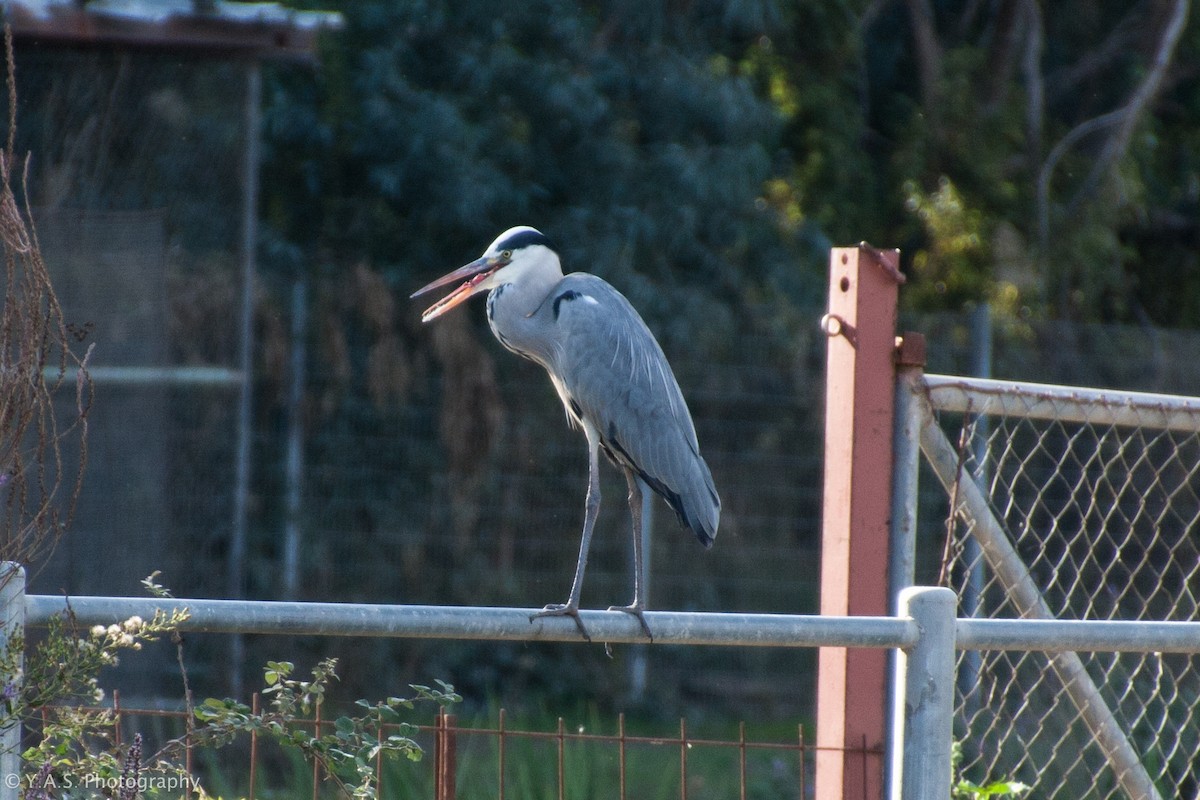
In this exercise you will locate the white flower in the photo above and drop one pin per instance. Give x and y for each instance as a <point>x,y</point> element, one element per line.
<point>114,631</point>
<point>133,624</point>
<point>126,640</point>
<point>98,631</point>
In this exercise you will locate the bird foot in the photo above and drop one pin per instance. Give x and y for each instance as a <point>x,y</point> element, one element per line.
<point>636,610</point>
<point>563,610</point>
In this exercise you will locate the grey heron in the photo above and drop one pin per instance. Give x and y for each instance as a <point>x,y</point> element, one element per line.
<point>613,380</point>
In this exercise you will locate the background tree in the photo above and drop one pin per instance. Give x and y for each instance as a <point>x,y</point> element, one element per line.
<point>632,133</point>
<point>713,147</point>
<point>1051,136</point>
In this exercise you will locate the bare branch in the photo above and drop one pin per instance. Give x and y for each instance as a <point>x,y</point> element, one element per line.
<point>1118,143</point>
<point>1085,128</point>
<point>1114,46</point>
<point>929,60</point>
<point>1002,54</point>
<point>1035,90</point>
<point>38,488</point>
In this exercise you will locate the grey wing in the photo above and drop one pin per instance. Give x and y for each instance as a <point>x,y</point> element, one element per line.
<point>611,367</point>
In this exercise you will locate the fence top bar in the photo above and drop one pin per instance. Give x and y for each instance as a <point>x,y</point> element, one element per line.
<point>1056,636</point>
<point>1067,403</point>
<point>467,622</point>
<point>152,376</point>
<point>669,627</point>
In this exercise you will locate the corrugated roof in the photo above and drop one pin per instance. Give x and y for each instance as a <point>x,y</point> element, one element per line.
<point>207,27</point>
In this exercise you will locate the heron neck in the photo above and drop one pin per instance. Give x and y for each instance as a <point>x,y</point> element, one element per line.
<point>512,315</point>
<point>526,294</point>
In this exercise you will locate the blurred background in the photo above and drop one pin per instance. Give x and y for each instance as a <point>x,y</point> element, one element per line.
<point>217,184</point>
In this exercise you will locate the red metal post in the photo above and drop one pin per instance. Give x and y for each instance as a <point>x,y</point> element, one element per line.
<point>852,684</point>
<point>316,772</point>
<point>445,756</point>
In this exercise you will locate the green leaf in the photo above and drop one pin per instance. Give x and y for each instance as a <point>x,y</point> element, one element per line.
<point>994,789</point>
<point>999,788</point>
<point>281,669</point>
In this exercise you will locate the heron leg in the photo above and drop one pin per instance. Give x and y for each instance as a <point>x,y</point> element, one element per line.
<point>591,512</point>
<point>638,606</point>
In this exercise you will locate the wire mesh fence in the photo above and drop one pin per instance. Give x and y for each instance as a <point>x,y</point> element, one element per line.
<point>436,467</point>
<point>468,489</point>
<point>1098,497</point>
<point>488,755</point>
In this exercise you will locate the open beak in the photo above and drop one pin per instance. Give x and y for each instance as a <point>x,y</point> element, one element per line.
<point>471,275</point>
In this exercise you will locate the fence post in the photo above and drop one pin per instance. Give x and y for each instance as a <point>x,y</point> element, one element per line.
<point>444,757</point>
<point>922,713</point>
<point>906,459</point>
<point>906,464</point>
<point>852,685</point>
<point>236,559</point>
<point>12,630</point>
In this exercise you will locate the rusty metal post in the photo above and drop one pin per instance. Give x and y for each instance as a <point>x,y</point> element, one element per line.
<point>852,685</point>
<point>444,757</point>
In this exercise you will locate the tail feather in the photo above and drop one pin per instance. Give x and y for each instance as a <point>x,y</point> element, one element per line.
<point>697,505</point>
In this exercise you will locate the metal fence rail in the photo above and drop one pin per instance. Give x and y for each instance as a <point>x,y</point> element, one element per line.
<point>925,723</point>
<point>926,634</point>
<point>485,623</point>
<point>1071,503</point>
<point>985,396</point>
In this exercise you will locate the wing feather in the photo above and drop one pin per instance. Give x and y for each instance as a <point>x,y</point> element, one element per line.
<point>609,363</point>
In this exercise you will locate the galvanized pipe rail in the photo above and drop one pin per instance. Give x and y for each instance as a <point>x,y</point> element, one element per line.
<point>1078,636</point>
<point>469,622</point>
<point>925,632</point>
<point>193,376</point>
<point>1064,403</point>
<point>669,627</point>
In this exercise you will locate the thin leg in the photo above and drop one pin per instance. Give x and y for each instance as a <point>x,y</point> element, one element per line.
<point>638,606</point>
<point>591,512</point>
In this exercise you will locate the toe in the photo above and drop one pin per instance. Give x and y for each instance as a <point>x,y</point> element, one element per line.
<point>636,610</point>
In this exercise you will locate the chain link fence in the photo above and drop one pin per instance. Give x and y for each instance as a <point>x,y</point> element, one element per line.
<point>1091,504</point>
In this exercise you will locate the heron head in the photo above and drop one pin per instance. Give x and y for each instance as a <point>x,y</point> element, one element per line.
<point>514,253</point>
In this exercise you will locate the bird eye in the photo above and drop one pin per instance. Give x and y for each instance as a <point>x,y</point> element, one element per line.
<point>506,254</point>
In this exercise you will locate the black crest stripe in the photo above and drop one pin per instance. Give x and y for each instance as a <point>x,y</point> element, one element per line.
<point>524,239</point>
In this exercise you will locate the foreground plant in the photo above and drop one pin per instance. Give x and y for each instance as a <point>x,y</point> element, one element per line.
<point>964,789</point>
<point>347,753</point>
<point>78,754</point>
<point>56,693</point>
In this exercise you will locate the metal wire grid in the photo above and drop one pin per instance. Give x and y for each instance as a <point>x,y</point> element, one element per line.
<point>1105,518</point>
<point>504,761</point>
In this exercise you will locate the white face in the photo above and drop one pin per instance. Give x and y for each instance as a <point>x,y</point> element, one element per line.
<point>514,254</point>
<point>518,263</point>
